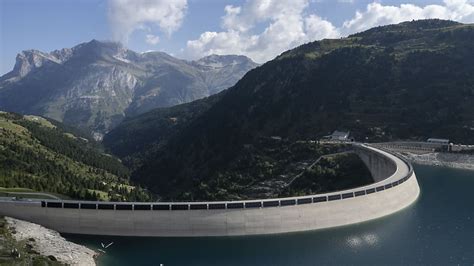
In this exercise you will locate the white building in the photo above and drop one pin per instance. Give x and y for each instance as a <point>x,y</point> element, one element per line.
<point>340,135</point>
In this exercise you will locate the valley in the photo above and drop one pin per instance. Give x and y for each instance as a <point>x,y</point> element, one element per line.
<point>396,82</point>
<point>251,140</point>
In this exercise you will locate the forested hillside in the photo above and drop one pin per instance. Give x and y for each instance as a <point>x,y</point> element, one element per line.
<point>138,136</point>
<point>38,154</point>
<point>412,80</point>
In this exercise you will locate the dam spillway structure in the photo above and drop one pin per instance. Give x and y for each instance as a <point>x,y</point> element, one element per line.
<point>395,187</point>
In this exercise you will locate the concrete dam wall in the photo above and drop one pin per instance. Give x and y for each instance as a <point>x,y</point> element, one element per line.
<point>395,188</point>
<point>379,166</point>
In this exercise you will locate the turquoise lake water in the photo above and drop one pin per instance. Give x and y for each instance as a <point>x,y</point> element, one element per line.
<point>438,229</point>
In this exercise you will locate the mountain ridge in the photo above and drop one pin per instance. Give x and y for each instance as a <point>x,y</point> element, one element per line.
<point>94,85</point>
<point>408,81</point>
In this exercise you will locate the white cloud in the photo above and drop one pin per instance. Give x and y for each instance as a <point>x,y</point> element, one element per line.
<point>126,16</point>
<point>377,14</point>
<point>318,28</point>
<point>288,24</point>
<point>286,27</point>
<point>152,39</point>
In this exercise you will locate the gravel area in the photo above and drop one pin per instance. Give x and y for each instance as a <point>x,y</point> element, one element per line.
<point>453,160</point>
<point>50,243</point>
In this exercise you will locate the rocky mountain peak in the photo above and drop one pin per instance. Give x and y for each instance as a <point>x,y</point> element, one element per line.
<point>94,85</point>
<point>28,60</point>
<point>219,61</point>
<point>101,49</point>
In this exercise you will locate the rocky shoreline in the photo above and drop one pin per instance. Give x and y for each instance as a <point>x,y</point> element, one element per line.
<point>50,244</point>
<point>452,160</point>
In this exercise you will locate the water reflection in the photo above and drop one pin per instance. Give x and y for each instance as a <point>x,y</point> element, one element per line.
<point>356,242</point>
<point>371,239</point>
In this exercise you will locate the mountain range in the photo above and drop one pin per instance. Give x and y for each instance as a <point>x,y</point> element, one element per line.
<point>413,80</point>
<point>95,85</point>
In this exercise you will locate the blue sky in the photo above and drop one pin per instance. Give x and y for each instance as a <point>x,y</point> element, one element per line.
<point>260,29</point>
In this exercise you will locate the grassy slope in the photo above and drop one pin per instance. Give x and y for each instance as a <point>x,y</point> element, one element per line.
<point>40,165</point>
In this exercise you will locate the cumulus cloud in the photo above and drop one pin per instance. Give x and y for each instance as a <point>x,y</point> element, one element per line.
<point>152,39</point>
<point>377,14</point>
<point>289,24</point>
<point>318,28</point>
<point>126,16</point>
<point>286,27</point>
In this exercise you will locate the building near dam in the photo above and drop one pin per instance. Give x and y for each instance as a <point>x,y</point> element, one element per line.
<point>431,145</point>
<point>395,187</point>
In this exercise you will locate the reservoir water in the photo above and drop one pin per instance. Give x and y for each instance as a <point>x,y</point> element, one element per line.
<point>438,229</point>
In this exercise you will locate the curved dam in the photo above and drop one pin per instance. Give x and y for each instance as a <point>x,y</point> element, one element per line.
<point>395,188</point>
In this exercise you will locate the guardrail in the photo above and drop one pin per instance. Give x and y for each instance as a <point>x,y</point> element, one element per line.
<point>248,204</point>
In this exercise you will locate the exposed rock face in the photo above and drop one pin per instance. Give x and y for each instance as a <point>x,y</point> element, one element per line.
<point>95,85</point>
<point>222,70</point>
<point>51,244</point>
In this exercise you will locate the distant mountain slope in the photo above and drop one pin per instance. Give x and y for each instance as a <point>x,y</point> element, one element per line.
<point>39,154</point>
<point>137,136</point>
<point>95,85</point>
<point>413,80</point>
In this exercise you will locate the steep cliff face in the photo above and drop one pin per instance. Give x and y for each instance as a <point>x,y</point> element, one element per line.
<point>95,85</point>
<point>221,71</point>
<point>29,60</point>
